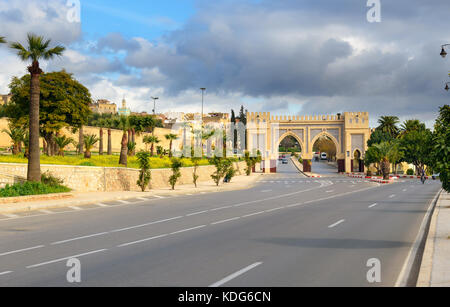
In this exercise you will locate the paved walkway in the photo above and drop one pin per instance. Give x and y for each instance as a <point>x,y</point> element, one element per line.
<point>435,268</point>
<point>79,199</point>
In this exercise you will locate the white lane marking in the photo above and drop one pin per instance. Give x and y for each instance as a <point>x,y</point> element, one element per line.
<point>336,224</point>
<point>80,238</point>
<point>5,273</point>
<point>188,229</point>
<point>12,216</point>
<point>392,196</point>
<point>197,213</point>
<point>46,211</point>
<point>331,191</point>
<point>274,209</point>
<point>102,205</point>
<point>75,208</point>
<point>371,206</point>
<point>265,191</point>
<point>404,190</point>
<point>157,196</point>
<point>21,250</point>
<point>147,224</point>
<point>227,220</point>
<point>65,258</point>
<point>253,214</point>
<point>234,275</point>
<point>142,198</point>
<point>124,201</point>
<point>143,240</point>
<point>221,208</point>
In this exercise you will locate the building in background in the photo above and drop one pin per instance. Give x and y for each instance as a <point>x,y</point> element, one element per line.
<point>5,99</point>
<point>103,106</point>
<point>124,110</point>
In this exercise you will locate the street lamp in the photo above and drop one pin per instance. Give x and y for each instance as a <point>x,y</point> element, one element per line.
<point>203,94</point>
<point>154,104</point>
<point>443,52</point>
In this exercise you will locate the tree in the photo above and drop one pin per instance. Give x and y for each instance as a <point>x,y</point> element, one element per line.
<point>388,124</point>
<point>145,174</point>
<point>417,146</point>
<point>379,136</point>
<point>2,40</point>
<point>38,49</point>
<point>222,166</point>
<point>64,102</point>
<point>176,174</point>
<point>195,176</point>
<point>108,124</point>
<point>411,125</point>
<point>89,141</point>
<point>387,153</point>
<point>151,139</point>
<point>123,160</point>
<point>17,135</point>
<point>62,142</point>
<point>373,157</point>
<point>101,123</point>
<point>441,147</point>
<point>171,137</point>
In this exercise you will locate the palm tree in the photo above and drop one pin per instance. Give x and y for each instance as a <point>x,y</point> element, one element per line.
<point>411,125</point>
<point>101,123</point>
<point>388,152</point>
<point>171,137</point>
<point>388,124</point>
<point>108,124</point>
<point>2,40</point>
<point>150,139</point>
<point>124,144</point>
<point>17,135</point>
<point>63,142</point>
<point>89,141</point>
<point>38,49</point>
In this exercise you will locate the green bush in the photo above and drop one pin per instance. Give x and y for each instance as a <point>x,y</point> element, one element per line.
<point>145,174</point>
<point>410,172</point>
<point>31,188</point>
<point>176,174</point>
<point>48,179</point>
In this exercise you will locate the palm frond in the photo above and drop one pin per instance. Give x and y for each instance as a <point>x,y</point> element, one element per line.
<point>2,40</point>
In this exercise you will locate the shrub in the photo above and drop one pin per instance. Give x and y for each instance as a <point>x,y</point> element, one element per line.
<point>145,174</point>
<point>31,188</point>
<point>176,174</point>
<point>195,177</point>
<point>222,167</point>
<point>231,172</point>
<point>48,179</point>
<point>410,172</point>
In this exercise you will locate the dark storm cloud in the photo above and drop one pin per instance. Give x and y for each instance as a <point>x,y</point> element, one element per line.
<point>323,52</point>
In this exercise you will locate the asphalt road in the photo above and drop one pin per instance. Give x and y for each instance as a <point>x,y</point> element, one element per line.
<point>285,231</point>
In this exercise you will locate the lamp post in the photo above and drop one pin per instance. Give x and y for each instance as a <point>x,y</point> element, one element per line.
<point>154,104</point>
<point>203,89</point>
<point>443,52</point>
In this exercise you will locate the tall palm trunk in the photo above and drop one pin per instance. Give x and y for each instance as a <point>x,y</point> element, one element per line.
<point>124,150</point>
<point>34,164</point>
<point>100,150</point>
<point>152,149</point>
<point>80,141</point>
<point>109,143</point>
<point>133,139</point>
<point>385,169</point>
<point>170,149</point>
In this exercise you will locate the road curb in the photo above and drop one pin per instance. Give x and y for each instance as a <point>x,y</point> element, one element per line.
<point>406,277</point>
<point>426,266</point>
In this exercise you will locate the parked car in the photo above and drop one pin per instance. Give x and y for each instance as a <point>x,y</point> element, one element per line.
<point>284,161</point>
<point>323,156</point>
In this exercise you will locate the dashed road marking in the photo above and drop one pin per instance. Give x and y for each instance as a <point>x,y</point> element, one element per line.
<point>21,250</point>
<point>75,208</point>
<point>65,258</point>
<point>235,275</point>
<point>336,224</point>
<point>371,206</point>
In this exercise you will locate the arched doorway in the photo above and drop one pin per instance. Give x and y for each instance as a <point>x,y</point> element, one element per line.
<point>325,152</point>
<point>357,162</point>
<point>289,144</point>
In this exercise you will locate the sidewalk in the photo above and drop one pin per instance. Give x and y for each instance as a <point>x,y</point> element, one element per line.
<point>435,267</point>
<point>80,199</point>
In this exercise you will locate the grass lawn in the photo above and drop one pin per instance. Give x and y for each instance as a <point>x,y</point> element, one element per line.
<point>104,161</point>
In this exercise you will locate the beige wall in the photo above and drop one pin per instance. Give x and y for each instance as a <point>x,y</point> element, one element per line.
<point>93,179</point>
<point>116,135</point>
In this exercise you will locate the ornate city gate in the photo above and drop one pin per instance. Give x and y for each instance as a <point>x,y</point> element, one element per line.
<point>348,131</point>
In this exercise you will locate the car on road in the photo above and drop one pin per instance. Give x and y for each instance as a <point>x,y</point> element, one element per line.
<point>284,161</point>
<point>323,156</point>
<point>435,176</point>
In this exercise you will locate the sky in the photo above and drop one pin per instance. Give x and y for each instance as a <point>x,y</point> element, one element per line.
<point>287,57</point>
